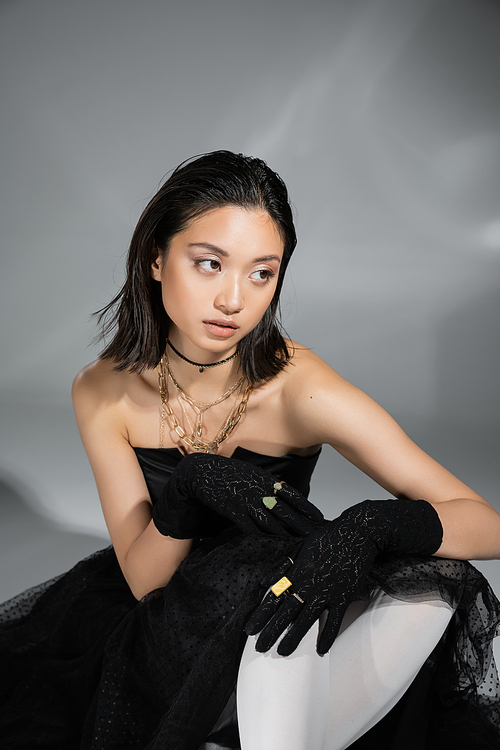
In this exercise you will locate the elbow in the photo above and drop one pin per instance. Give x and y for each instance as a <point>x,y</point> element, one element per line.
<point>150,563</point>
<point>139,592</point>
<point>137,587</point>
<point>139,580</point>
<point>140,586</point>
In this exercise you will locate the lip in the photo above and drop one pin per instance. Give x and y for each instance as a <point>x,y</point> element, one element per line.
<point>221,328</point>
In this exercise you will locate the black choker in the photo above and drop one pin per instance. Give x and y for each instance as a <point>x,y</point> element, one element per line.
<point>201,367</point>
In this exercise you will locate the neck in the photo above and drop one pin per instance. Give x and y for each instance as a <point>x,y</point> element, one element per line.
<point>202,366</point>
<point>212,381</point>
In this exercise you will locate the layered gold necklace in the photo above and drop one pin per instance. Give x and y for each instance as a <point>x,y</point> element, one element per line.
<point>195,440</point>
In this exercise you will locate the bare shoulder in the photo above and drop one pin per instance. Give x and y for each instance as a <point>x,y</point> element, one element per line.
<point>97,392</point>
<point>97,381</point>
<point>319,402</point>
<point>308,372</point>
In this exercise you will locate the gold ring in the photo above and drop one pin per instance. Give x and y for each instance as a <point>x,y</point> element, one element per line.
<point>270,500</point>
<point>297,597</point>
<point>281,586</point>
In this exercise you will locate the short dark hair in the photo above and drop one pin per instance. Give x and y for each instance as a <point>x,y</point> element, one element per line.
<point>136,316</point>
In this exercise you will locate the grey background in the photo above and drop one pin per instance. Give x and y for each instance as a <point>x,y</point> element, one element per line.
<point>383,117</point>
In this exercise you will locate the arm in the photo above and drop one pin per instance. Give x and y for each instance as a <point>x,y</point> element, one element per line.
<point>434,512</point>
<point>323,408</point>
<point>147,559</point>
<point>235,490</point>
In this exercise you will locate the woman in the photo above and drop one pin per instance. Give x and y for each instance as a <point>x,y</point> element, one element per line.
<point>143,649</point>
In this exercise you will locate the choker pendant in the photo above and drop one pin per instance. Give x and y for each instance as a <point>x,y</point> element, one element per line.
<point>201,367</point>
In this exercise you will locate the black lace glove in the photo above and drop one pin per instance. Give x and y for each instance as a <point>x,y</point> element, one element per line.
<point>250,497</point>
<point>332,566</point>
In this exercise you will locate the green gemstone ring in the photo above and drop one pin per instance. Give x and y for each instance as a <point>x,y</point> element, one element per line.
<point>269,502</point>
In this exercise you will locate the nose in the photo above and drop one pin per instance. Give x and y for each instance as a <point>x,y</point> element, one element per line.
<point>229,299</point>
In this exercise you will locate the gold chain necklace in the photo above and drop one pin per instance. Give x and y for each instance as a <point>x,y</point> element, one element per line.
<point>196,430</point>
<point>203,405</point>
<point>199,407</point>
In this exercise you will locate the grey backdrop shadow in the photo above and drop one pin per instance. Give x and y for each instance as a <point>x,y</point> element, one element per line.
<point>34,550</point>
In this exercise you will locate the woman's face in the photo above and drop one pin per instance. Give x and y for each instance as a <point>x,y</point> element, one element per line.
<point>218,278</point>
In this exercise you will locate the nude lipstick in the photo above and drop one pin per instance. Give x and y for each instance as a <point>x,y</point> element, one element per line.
<point>222,328</point>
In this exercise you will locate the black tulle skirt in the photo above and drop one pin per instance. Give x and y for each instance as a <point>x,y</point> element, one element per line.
<point>84,665</point>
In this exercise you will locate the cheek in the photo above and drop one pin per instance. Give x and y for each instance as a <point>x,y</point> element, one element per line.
<point>259,303</point>
<point>174,293</point>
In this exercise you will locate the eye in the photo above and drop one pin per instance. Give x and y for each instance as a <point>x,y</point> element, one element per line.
<point>208,264</point>
<point>263,274</point>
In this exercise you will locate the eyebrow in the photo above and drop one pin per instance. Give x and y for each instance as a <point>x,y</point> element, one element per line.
<point>220,251</point>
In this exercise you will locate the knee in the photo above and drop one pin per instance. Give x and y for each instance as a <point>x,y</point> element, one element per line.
<point>423,579</point>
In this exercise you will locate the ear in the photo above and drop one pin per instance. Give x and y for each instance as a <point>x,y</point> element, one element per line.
<point>156,264</point>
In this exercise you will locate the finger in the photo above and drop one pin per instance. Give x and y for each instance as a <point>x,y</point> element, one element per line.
<point>331,629</point>
<point>245,523</point>
<point>268,523</point>
<point>306,618</point>
<point>269,605</point>
<point>301,504</point>
<point>285,615</point>
<point>261,616</point>
<point>292,519</point>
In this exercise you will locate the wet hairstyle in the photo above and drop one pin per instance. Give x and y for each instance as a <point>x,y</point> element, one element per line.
<point>136,317</point>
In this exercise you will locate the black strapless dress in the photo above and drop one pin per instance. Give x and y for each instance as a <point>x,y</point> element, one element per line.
<point>84,665</point>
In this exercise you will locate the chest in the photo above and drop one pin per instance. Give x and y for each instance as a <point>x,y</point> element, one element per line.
<point>261,427</point>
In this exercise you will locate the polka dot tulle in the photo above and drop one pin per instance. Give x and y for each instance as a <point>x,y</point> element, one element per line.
<point>82,658</point>
<point>466,681</point>
<point>84,666</point>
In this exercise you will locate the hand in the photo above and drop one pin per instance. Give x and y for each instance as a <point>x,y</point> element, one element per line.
<point>332,567</point>
<point>234,489</point>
